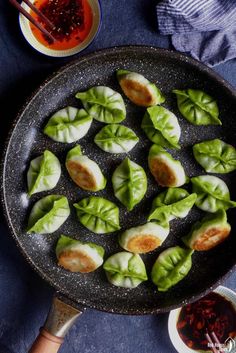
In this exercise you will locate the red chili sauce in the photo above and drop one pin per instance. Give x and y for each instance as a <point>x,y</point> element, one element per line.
<point>213,313</point>
<point>72,20</point>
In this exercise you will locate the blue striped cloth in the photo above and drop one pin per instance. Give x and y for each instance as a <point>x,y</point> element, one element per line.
<point>204,28</point>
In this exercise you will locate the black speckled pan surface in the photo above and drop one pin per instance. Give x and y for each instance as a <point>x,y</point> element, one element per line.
<point>169,70</point>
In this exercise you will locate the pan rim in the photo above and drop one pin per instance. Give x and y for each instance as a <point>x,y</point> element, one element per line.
<point>92,55</point>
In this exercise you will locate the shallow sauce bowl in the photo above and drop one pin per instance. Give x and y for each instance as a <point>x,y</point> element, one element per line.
<point>176,340</point>
<point>32,40</point>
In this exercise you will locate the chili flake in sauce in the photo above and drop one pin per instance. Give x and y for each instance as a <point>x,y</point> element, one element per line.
<point>72,20</point>
<point>212,313</point>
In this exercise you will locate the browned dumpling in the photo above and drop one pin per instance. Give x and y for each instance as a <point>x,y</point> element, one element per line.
<point>211,231</point>
<point>166,170</point>
<point>83,171</point>
<point>144,238</point>
<point>138,89</point>
<point>76,256</point>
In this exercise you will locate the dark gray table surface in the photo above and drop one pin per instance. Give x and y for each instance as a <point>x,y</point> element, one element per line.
<point>24,297</point>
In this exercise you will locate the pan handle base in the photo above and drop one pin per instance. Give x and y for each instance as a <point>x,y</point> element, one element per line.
<point>59,320</point>
<point>61,317</point>
<point>46,343</point>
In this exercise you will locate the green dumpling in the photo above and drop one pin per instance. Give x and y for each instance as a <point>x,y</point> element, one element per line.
<point>171,266</point>
<point>44,173</point>
<point>48,214</point>
<point>170,204</point>
<point>103,104</point>
<point>212,193</point>
<point>125,270</point>
<point>129,183</point>
<point>215,156</point>
<point>68,125</point>
<point>98,214</point>
<point>161,127</point>
<point>197,107</point>
<point>144,238</point>
<point>115,138</point>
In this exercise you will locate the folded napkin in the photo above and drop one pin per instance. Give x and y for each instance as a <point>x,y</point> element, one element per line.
<point>204,28</point>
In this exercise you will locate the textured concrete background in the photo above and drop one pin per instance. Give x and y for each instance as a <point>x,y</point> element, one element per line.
<point>24,297</point>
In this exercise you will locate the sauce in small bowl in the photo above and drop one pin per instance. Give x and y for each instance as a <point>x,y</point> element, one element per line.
<point>216,312</point>
<point>212,313</point>
<point>76,23</point>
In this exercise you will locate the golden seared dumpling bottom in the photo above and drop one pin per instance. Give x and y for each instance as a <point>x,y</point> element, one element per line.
<point>166,170</point>
<point>143,239</point>
<point>212,230</point>
<point>138,92</point>
<point>143,243</point>
<point>84,171</point>
<point>139,89</point>
<point>163,173</point>
<point>76,261</point>
<point>82,176</point>
<point>211,237</point>
<point>75,256</point>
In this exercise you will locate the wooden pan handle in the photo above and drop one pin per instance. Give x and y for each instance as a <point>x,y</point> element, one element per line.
<point>60,319</point>
<point>46,343</point>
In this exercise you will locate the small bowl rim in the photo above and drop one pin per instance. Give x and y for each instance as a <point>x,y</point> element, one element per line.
<point>59,53</point>
<point>175,339</point>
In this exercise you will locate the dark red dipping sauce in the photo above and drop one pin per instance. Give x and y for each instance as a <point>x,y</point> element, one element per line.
<point>212,313</point>
<point>72,20</point>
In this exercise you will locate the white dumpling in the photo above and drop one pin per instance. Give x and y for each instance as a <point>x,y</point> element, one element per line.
<point>76,256</point>
<point>166,170</point>
<point>138,89</point>
<point>144,238</point>
<point>212,230</point>
<point>83,171</point>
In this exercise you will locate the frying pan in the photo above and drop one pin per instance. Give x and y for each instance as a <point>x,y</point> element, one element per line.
<point>169,70</point>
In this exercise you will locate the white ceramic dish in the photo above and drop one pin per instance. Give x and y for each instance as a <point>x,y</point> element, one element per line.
<point>26,30</point>
<point>177,342</point>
